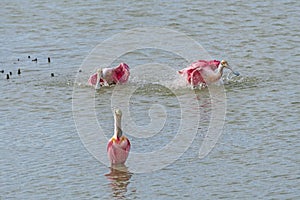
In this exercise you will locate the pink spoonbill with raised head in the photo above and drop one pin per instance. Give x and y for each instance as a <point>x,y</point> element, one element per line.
<point>109,76</point>
<point>118,146</point>
<point>204,72</point>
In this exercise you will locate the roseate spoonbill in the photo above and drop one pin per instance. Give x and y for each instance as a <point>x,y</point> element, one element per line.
<point>118,146</point>
<point>205,72</point>
<point>109,76</point>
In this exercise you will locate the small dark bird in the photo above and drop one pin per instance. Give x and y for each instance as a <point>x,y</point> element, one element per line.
<point>19,71</point>
<point>52,74</point>
<point>10,73</point>
<point>49,60</point>
<point>28,57</point>
<point>7,76</point>
<point>34,60</point>
<point>2,71</point>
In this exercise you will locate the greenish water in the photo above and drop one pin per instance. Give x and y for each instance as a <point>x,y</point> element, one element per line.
<point>44,157</point>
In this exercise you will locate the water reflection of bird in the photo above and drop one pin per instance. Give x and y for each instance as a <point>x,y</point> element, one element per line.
<point>119,177</point>
<point>109,76</point>
<point>202,72</point>
<point>118,146</point>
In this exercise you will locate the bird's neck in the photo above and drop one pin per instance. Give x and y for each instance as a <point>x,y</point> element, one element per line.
<point>118,130</point>
<point>220,70</point>
<point>215,76</point>
<point>97,86</point>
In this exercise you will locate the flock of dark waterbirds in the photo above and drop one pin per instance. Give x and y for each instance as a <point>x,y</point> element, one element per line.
<point>9,74</point>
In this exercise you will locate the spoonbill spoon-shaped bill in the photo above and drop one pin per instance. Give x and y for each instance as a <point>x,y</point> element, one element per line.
<point>109,76</point>
<point>205,72</point>
<point>118,146</point>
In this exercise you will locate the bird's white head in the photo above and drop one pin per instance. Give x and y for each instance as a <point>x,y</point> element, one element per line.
<point>118,112</point>
<point>99,76</point>
<point>225,64</point>
<point>100,72</point>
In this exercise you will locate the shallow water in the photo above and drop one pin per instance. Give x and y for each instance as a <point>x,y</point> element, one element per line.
<point>45,156</point>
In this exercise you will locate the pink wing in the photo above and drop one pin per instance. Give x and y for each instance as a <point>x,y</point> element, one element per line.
<point>93,79</point>
<point>121,73</point>
<point>192,73</point>
<point>127,147</point>
<point>196,78</point>
<point>213,64</point>
<point>118,152</point>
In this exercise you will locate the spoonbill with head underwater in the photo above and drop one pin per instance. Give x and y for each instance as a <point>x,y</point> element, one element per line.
<point>110,76</point>
<point>205,72</point>
<point>118,146</point>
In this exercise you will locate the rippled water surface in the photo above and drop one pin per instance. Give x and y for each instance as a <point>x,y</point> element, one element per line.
<point>45,156</point>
